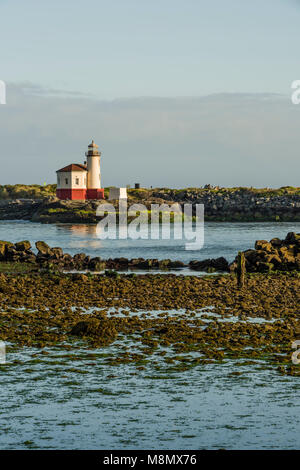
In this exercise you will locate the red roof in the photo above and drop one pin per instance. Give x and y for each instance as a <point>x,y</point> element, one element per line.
<point>73,167</point>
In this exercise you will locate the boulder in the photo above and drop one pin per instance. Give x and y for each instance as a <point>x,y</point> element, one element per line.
<point>79,260</point>
<point>275,260</point>
<point>87,259</point>
<point>96,264</point>
<point>164,263</point>
<point>176,264</point>
<point>136,262</point>
<point>286,254</point>
<point>276,242</point>
<point>43,248</point>
<point>11,253</point>
<point>148,264</point>
<point>67,261</point>
<point>27,256</point>
<point>23,246</point>
<point>79,257</point>
<point>57,252</point>
<point>264,267</point>
<point>210,265</point>
<point>122,261</point>
<point>292,238</point>
<point>101,331</point>
<point>263,245</point>
<point>281,255</point>
<point>220,264</point>
<point>3,249</point>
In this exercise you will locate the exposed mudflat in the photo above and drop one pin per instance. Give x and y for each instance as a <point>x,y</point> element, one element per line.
<point>52,309</point>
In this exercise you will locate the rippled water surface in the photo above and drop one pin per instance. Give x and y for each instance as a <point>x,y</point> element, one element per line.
<point>68,400</point>
<point>220,239</point>
<point>49,405</point>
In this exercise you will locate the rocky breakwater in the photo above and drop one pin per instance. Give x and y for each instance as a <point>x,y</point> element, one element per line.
<point>275,255</point>
<point>55,258</point>
<point>240,204</point>
<point>221,204</point>
<point>19,209</point>
<point>49,210</point>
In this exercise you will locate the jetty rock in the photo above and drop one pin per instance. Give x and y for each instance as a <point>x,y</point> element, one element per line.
<point>273,255</point>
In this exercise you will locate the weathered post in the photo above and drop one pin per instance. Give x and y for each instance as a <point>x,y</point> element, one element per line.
<point>241,269</point>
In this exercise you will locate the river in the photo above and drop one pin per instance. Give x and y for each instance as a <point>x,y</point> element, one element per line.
<point>220,239</point>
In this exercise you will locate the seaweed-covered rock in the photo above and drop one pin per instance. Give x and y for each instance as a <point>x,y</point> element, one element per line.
<point>177,264</point>
<point>292,238</point>
<point>96,264</point>
<point>57,252</point>
<point>101,332</point>
<point>210,265</point>
<point>164,263</point>
<point>79,258</point>
<point>43,248</point>
<point>3,249</point>
<point>263,245</point>
<point>11,253</point>
<point>23,246</point>
<point>278,255</point>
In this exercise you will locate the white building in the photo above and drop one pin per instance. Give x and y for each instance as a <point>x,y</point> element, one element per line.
<point>117,193</point>
<point>77,181</point>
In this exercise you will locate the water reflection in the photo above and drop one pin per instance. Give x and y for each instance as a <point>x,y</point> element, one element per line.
<point>221,239</point>
<point>80,230</point>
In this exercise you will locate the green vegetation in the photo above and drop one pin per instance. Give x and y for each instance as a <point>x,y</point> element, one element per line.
<point>22,191</point>
<point>8,267</point>
<point>35,191</point>
<point>284,190</point>
<point>57,210</point>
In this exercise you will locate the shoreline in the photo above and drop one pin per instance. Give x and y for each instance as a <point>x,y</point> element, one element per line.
<point>282,255</point>
<point>221,204</point>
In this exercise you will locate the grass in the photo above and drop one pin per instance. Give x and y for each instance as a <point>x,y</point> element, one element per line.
<point>267,192</point>
<point>57,210</point>
<point>35,191</point>
<point>22,191</point>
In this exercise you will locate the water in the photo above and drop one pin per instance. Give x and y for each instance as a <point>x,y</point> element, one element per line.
<point>48,405</point>
<point>221,239</point>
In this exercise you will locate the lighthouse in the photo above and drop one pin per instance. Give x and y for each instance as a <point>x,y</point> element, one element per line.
<point>93,155</point>
<point>77,181</point>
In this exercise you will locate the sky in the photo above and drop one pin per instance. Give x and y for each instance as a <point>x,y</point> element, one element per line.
<point>176,92</point>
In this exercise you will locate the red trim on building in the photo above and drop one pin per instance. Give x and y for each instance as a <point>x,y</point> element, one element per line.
<point>95,194</point>
<point>73,194</point>
<point>80,194</point>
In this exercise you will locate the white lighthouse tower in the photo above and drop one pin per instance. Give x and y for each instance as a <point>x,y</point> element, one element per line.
<point>77,181</point>
<point>93,155</point>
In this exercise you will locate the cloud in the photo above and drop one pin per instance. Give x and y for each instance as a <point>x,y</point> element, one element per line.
<point>224,139</point>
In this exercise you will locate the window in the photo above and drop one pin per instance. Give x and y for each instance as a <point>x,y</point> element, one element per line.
<point>66,180</point>
<point>77,180</point>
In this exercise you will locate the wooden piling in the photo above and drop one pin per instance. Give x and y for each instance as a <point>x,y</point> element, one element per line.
<point>241,269</point>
